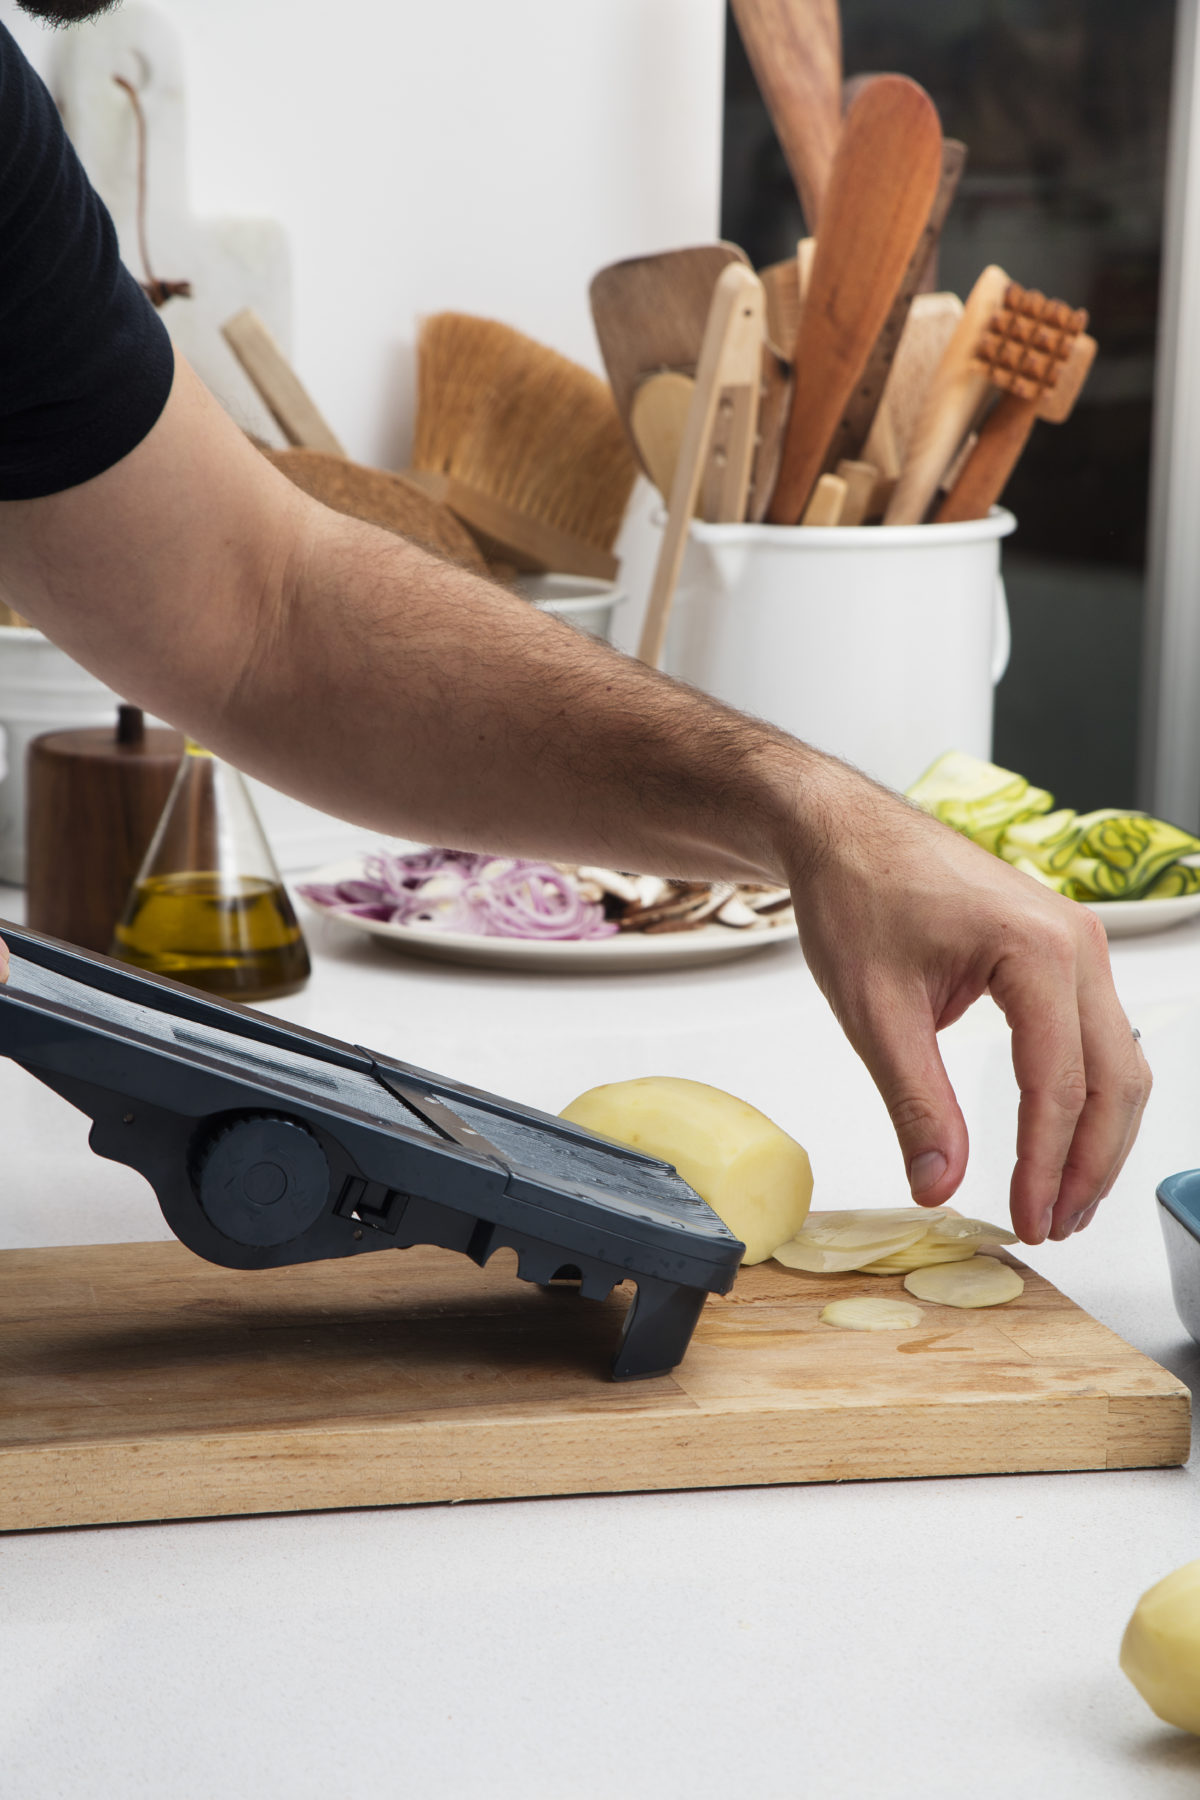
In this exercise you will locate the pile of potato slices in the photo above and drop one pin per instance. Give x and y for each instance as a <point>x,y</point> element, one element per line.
<point>934,1249</point>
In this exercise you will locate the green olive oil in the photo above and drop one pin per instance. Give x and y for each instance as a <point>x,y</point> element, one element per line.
<point>236,936</point>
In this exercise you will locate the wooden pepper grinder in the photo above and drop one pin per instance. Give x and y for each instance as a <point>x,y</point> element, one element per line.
<point>93,799</point>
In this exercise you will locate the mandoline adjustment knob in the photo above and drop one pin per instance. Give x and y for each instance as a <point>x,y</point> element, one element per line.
<point>262,1179</point>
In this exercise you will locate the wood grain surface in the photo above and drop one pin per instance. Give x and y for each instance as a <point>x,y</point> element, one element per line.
<point>138,1382</point>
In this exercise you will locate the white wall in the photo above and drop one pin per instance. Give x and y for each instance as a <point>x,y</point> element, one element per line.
<point>482,155</point>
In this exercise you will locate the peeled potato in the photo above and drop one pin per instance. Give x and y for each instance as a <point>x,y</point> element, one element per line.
<point>755,1177</point>
<point>1160,1651</point>
<point>862,1313</point>
<point>981,1281</point>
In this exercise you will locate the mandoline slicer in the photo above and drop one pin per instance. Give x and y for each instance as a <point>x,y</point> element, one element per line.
<point>267,1145</point>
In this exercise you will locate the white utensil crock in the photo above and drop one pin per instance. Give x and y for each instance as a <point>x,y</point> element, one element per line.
<point>881,643</point>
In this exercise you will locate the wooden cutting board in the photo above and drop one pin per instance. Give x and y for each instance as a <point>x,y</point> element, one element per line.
<point>138,1382</point>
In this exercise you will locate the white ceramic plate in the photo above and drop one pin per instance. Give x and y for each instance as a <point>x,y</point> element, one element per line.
<point>627,951</point>
<point>1130,918</point>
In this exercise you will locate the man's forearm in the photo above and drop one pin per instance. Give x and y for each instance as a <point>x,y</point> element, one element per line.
<point>423,701</point>
<point>351,669</point>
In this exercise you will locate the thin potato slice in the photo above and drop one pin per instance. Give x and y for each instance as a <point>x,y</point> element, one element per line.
<point>829,1259</point>
<point>949,1239</point>
<point>981,1281</point>
<point>926,1253</point>
<point>831,1243</point>
<point>949,1228</point>
<point>863,1313</point>
<point>863,1225</point>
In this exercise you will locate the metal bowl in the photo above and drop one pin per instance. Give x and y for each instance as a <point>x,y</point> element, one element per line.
<point>1179,1215</point>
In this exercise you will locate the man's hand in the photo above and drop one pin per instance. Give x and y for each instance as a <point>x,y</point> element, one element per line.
<point>905,924</point>
<point>3,960</point>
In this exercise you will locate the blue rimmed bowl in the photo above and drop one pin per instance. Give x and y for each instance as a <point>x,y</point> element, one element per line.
<point>1179,1215</point>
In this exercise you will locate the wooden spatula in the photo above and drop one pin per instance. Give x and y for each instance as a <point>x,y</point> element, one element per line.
<point>954,396</point>
<point>795,50</point>
<point>881,192</point>
<point>1039,355</point>
<point>730,364</point>
<point>851,435</point>
<point>932,322</point>
<point>650,313</point>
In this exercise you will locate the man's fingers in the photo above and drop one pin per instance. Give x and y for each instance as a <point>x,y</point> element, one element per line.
<point>1083,1084</point>
<point>1119,1083</point>
<point>897,1041</point>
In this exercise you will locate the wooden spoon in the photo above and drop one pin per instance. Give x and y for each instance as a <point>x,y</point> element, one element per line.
<point>881,192</point>
<point>795,50</point>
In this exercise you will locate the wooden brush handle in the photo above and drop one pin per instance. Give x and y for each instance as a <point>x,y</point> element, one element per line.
<point>955,394</point>
<point>851,435</point>
<point>730,357</point>
<point>986,471</point>
<point>795,50</point>
<point>282,392</point>
<point>506,534</point>
<point>884,181</point>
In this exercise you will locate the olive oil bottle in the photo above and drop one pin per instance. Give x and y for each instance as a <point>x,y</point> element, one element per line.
<point>208,906</point>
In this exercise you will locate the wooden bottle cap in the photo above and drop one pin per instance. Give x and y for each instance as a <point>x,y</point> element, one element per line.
<point>93,799</point>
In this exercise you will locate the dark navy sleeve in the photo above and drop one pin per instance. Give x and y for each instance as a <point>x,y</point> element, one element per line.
<point>85,362</point>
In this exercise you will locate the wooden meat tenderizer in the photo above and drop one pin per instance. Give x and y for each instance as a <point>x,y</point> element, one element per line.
<point>1038,353</point>
<point>729,371</point>
<point>953,399</point>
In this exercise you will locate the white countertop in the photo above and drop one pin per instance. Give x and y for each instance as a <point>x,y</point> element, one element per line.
<point>893,1639</point>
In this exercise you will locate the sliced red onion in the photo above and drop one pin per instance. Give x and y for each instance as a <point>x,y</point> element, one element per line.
<point>460,890</point>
